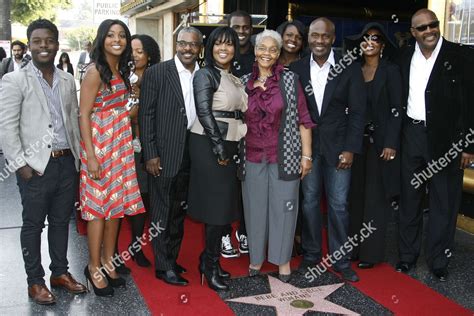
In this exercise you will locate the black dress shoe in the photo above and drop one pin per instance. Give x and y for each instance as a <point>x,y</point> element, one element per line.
<point>441,274</point>
<point>179,269</point>
<point>305,265</point>
<point>171,277</point>
<point>365,265</point>
<point>347,274</point>
<point>404,267</point>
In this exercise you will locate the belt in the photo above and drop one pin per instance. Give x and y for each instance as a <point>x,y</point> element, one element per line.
<point>61,153</point>
<point>417,122</point>
<point>238,115</point>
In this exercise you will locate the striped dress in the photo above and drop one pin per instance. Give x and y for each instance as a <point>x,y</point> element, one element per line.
<point>116,193</point>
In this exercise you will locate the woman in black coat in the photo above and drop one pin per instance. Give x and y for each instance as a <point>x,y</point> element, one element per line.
<point>65,63</point>
<point>375,173</point>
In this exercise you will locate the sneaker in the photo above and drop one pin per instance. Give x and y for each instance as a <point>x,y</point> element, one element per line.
<point>227,251</point>
<point>243,245</point>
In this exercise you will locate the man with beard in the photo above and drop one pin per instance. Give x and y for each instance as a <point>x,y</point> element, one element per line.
<point>337,106</point>
<point>167,113</point>
<point>439,116</point>
<point>13,63</point>
<point>40,139</point>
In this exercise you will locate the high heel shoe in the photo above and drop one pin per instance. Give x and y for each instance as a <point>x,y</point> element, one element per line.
<point>140,259</point>
<point>118,282</point>
<point>222,273</point>
<point>284,277</point>
<point>253,272</point>
<point>106,291</point>
<point>214,281</point>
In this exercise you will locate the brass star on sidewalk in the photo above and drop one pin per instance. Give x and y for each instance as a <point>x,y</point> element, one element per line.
<point>291,300</point>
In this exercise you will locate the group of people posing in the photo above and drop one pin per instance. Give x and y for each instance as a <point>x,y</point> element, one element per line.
<point>238,139</point>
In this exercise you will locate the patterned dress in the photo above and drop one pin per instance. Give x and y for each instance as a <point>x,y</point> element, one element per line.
<point>116,193</point>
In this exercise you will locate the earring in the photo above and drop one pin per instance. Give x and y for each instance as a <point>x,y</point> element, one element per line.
<point>381,53</point>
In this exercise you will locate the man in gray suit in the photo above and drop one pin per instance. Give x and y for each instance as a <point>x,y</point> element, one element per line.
<point>40,139</point>
<point>13,63</point>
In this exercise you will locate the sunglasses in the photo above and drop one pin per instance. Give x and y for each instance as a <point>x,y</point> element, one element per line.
<point>373,37</point>
<point>422,28</point>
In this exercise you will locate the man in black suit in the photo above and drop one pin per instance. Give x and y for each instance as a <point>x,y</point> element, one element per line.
<point>336,100</point>
<point>166,114</point>
<point>437,128</point>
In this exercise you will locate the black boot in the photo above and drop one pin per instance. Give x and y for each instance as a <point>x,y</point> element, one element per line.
<point>210,258</point>
<point>222,273</point>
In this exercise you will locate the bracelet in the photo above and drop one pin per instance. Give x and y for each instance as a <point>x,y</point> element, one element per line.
<point>307,158</point>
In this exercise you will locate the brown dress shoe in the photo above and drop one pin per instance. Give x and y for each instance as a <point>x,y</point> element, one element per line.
<point>41,295</point>
<point>67,282</point>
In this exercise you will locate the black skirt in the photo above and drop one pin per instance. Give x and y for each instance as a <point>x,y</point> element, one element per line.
<point>213,189</point>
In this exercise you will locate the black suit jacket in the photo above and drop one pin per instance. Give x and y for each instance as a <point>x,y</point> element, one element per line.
<point>448,97</point>
<point>386,115</point>
<point>162,117</point>
<point>341,124</point>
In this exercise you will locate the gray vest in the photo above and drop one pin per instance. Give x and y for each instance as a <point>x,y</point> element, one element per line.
<point>289,138</point>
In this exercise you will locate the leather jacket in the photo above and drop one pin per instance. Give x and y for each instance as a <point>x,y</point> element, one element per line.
<point>206,81</point>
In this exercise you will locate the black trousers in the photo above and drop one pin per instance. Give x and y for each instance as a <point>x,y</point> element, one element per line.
<point>51,195</point>
<point>368,204</point>
<point>168,198</point>
<point>445,189</point>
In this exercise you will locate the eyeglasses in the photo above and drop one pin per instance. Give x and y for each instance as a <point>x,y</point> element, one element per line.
<point>422,28</point>
<point>373,37</point>
<point>264,49</point>
<point>193,45</point>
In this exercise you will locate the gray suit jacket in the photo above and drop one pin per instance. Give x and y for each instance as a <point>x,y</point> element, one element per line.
<point>25,121</point>
<point>6,61</point>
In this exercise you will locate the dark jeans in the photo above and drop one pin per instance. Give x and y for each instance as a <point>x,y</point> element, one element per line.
<point>51,195</point>
<point>336,184</point>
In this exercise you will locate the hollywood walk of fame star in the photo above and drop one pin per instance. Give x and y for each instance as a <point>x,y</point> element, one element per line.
<point>290,300</point>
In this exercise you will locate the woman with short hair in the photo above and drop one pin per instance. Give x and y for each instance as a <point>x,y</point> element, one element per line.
<point>277,154</point>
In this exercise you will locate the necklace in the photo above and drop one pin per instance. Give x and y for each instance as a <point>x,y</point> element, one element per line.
<point>263,79</point>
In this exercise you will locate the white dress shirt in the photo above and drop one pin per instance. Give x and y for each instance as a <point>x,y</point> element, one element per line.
<point>16,65</point>
<point>186,80</point>
<point>420,71</point>
<point>319,77</point>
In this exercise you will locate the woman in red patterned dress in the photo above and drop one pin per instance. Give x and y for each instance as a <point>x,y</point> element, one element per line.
<point>108,182</point>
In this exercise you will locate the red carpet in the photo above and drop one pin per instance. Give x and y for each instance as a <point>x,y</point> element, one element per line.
<point>397,292</point>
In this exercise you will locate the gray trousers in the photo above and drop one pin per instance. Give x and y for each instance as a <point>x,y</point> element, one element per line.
<point>271,209</point>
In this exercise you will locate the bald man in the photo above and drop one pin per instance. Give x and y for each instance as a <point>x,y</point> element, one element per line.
<point>336,101</point>
<point>435,141</point>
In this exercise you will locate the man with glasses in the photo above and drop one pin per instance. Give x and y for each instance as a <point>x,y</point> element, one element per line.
<point>439,115</point>
<point>166,114</point>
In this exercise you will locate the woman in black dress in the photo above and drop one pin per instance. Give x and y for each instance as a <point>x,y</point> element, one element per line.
<point>220,99</point>
<point>375,173</point>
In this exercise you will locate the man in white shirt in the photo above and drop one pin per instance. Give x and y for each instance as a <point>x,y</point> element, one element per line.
<point>436,146</point>
<point>13,63</point>
<point>166,114</point>
<point>337,106</point>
